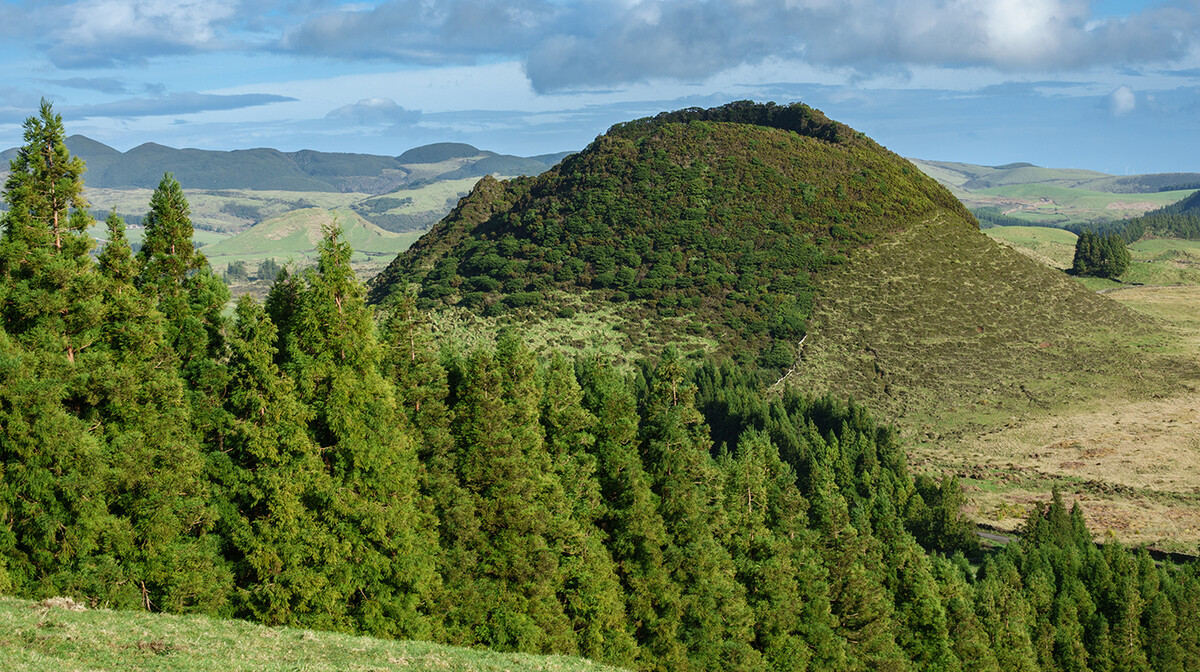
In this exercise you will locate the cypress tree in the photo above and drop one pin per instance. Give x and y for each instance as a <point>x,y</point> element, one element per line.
<point>772,550</point>
<point>388,577</point>
<point>592,592</point>
<point>268,473</point>
<point>637,533</point>
<point>717,624</point>
<point>511,602</point>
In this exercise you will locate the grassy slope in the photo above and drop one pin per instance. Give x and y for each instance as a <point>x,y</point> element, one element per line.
<point>1125,442</point>
<point>36,638</point>
<point>943,328</point>
<point>1056,205</point>
<point>1156,261</point>
<point>295,236</point>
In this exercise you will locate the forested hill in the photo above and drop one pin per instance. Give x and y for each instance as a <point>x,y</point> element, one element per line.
<point>714,221</point>
<point>306,170</point>
<point>1177,220</point>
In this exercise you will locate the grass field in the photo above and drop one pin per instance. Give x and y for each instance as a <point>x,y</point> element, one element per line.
<point>1056,205</point>
<point>1125,442</point>
<point>1156,261</point>
<point>37,637</point>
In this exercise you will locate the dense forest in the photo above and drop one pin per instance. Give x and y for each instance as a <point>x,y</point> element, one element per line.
<point>316,462</point>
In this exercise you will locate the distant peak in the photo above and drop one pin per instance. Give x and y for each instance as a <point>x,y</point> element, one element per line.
<point>438,152</point>
<point>1014,166</point>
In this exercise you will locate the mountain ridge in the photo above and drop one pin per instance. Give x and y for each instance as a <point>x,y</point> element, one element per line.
<point>266,169</point>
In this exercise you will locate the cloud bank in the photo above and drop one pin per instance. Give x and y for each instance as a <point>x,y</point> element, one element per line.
<point>573,44</point>
<point>173,104</point>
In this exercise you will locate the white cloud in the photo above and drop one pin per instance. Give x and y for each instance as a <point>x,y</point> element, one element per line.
<point>375,112</point>
<point>1122,101</point>
<point>589,43</point>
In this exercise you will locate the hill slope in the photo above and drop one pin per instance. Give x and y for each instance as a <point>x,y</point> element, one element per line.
<point>971,177</point>
<point>747,228</point>
<point>706,224</point>
<point>40,637</point>
<point>295,236</point>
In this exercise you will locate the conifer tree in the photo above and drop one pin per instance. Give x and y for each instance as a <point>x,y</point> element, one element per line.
<point>775,560</point>
<point>1005,615</point>
<point>512,601</point>
<point>51,296</point>
<point>53,469</point>
<point>389,580</point>
<point>592,592</point>
<point>269,473</point>
<point>100,461</point>
<point>168,255</point>
<point>637,533</point>
<point>968,640</point>
<point>717,624</point>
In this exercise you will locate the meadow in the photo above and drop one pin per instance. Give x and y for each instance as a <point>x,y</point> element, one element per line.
<point>1126,443</point>
<point>49,636</point>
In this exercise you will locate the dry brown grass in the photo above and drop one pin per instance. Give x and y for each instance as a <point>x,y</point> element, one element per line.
<point>1131,460</point>
<point>1019,380</point>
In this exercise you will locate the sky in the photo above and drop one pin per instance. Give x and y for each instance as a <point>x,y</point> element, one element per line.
<point>1109,85</point>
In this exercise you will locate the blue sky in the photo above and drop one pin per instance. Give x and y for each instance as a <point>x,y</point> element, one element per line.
<point>1110,85</point>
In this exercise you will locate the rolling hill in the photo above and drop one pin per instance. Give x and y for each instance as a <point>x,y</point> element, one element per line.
<point>971,177</point>
<point>266,169</point>
<point>773,234</point>
<point>295,234</point>
<point>704,225</point>
<point>737,229</point>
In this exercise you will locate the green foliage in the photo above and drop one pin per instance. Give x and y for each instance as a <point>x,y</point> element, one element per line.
<point>1104,257</point>
<point>696,214</point>
<point>298,464</point>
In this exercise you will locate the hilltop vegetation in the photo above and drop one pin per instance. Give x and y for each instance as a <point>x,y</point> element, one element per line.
<point>718,218</point>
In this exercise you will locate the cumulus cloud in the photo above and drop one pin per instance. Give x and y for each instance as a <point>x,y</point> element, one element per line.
<point>104,33</point>
<point>174,103</point>
<point>375,112</point>
<point>596,43</point>
<point>573,44</point>
<point>1122,101</point>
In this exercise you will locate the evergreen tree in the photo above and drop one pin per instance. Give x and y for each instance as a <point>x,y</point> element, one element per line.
<point>717,624</point>
<point>512,601</point>
<point>773,552</point>
<point>592,592</point>
<point>637,533</point>
<point>1100,256</point>
<point>388,580</point>
<point>168,255</point>
<point>269,473</point>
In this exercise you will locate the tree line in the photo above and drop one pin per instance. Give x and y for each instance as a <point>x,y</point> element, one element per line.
<point>311,461</point>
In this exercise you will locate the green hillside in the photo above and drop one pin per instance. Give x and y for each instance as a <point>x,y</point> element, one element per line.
<point>971,177</point>
<point>294,236</point>
<point>45,637</point>
<point>706,224</point>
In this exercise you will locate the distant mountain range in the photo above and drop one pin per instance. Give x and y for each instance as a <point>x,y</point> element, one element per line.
<point>307,170</point>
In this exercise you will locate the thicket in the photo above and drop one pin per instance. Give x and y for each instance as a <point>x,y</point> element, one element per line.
<point>310,462</point>
<point>1100,256</point>
<point>720,216</point>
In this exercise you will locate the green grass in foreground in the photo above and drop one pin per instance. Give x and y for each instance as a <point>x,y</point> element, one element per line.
<point>35,638</point>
